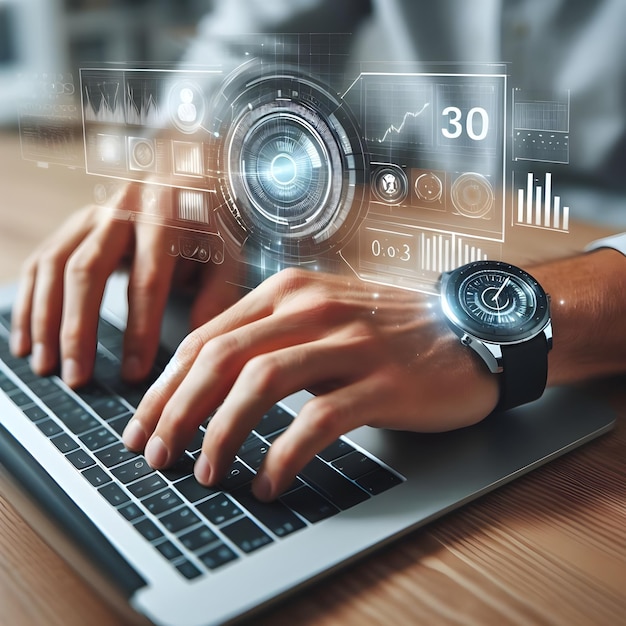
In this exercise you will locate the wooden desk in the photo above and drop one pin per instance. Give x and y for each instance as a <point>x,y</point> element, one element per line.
<point>549,548</point>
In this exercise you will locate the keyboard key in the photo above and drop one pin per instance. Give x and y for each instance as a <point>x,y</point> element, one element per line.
<point>179,520</point>
<point>130,511</point>
<point>355,464</point>
<point>148,529</point>
<point>5,319</point>
<point>275,419</point>
<point>191,489</point>
<point>92,392</point>
<point>196,443</point>
<point>64,443</point>
<point>253,451</point>
<point>335,450</point>
<point>96,476</point>
<point>339,490</point>
<point>99,438</point>
<point>218,556</point>
<point>310,504</point>
<point>246,535</point>
<point>198,539</point>
<point>20,398</point>
<point>109,407</point>
<point>6,384</point>
<point>132,470</point>
<point>113,494</point>
<point>379,480</point>
<point>118,424</point>
<point>72,414</point>
<point>80,459</point>
<point>49,427</point>
<point>162,502</point>
<point>115,454</point>
<point>40,386</point>
<point>188,570</point>
<point>181,468</point>
<point>237,475</point>
<point>133,394</point>
<point>168,550</point>
<point>35,413</point>
<point>273,515</point>
<point>147,486</point>
<point>219,509</point>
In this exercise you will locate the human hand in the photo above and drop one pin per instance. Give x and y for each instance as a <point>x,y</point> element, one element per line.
<point>55,315</point>
<point>374,355</point>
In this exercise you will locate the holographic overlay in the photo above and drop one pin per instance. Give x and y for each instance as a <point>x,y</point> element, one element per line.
<point>292,166</point>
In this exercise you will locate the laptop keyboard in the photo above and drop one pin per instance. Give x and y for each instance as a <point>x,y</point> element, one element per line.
<point>195,528</point>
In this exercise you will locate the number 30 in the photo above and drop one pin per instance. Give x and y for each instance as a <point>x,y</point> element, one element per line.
<point>455,123</point>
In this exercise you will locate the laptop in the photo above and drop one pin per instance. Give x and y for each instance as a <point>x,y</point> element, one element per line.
<point>167,551</point>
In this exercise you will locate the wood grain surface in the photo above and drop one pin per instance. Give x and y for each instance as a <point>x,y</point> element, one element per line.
<point>550,548</point>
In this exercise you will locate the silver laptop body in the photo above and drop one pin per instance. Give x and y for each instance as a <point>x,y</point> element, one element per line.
<point>427,476</point>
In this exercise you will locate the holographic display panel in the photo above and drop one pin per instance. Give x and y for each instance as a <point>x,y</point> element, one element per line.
<point>290,156</point>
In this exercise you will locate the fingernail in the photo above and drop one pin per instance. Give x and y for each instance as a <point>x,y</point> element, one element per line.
<point>156,453</point>
<point>39,358</point>
<point>17,343</point>
<point>71,372</point>
<point>132,368</point>
<point>262,487</point>
<point>134,436</point>
<point>202,469</point>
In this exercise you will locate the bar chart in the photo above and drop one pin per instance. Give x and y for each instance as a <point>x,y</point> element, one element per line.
<point>537,206</point>
<point>442,252</point>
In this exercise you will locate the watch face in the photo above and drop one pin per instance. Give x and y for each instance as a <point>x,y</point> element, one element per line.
<point>495,302</point>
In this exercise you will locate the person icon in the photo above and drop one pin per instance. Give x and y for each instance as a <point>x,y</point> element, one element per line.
<point>187,111</point>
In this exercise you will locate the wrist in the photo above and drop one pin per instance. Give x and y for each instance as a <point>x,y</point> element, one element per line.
<point>588,309</point>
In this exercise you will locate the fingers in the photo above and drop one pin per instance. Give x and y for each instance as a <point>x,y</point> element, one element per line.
<point>320,422</point>
<point>86,274</point>
<point>196,381</point>
<point>263,381</point>
<point>148,287</point>
<point>37,310</point>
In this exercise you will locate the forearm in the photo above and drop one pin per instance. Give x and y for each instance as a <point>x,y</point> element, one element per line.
<point>588,304</point>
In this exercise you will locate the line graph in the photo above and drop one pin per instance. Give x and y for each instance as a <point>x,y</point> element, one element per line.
<point>398,113</point>
<point>398,129</point>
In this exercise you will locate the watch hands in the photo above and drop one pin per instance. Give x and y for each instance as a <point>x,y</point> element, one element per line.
<point>497,294</point>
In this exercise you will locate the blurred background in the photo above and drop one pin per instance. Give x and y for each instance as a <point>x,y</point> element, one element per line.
<point>50,39</point>
<point>56,36</point>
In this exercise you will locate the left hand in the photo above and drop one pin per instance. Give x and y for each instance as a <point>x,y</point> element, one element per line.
<point>373,355</point>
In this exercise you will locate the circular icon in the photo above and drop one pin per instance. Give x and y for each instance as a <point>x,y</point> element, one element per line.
<point>143,153</point>
<point>429,188</point>
<point>472,195</point>
<point>292,165</point>
<point>390,184</point>
<point>286,170</point>
<point>186,106</point>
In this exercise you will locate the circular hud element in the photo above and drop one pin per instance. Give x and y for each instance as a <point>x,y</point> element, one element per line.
<point>390,184</point>
<point>186,106</point>
<point>472,195</point>
<point>291,166</point>
<point>429,187</point>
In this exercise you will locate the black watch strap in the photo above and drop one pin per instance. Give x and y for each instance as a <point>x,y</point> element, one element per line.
<point>524,372</point>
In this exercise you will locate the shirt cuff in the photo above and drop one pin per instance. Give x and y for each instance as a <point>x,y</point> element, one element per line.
<point>617,242</point>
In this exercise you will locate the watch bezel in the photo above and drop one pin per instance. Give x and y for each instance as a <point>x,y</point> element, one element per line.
<point>463,324</point>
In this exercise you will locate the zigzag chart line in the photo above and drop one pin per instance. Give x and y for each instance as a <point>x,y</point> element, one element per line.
<point>399,129</point>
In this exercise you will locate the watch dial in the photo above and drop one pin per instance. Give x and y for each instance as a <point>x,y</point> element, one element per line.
<point>497,298</point>
<point>494,301</point>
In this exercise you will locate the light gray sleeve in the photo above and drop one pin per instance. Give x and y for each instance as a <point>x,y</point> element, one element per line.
<point>230,19</point>
<point>617,242</point>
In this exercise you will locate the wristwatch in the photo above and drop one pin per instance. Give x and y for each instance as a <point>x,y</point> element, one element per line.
<point>503,314</point>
